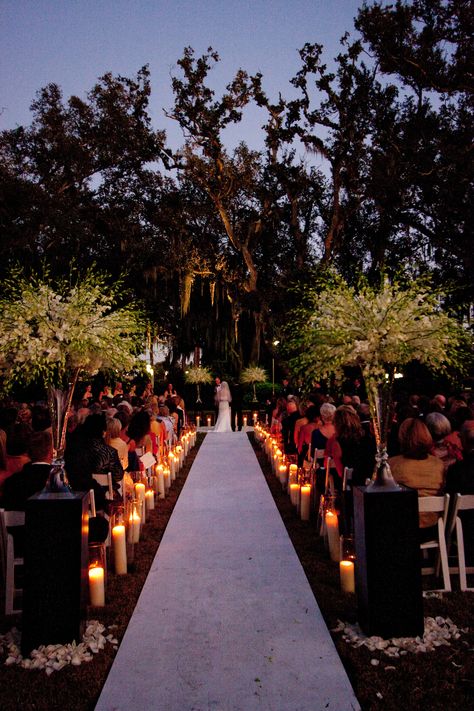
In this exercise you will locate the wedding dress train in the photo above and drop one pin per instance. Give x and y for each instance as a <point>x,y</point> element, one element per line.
<point>223,420</point>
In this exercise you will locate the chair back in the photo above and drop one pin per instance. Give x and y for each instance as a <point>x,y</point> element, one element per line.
<point>434,504</point>
<point>105,480</point>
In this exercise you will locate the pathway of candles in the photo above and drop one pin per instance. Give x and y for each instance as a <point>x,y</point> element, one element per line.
<point>226,619</point>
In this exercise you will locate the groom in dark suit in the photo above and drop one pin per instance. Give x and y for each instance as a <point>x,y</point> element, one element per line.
<point>236,405</point>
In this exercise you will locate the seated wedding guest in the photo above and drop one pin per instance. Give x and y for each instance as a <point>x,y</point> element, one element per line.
<point>304,435</point>
<point>139,432</point>
<point>87,454</point>
<point>277,414</point>
<point>460,480</point>
<point>40,418</point>
<point>164,417</point>
<point>350,447</point>
<point>24,414</point>
<point>417,468</point>
<point>440,427</point>
<point>179,404</point>
<point>326,430</point>
<point>33,476</point>
<point>457,420</point>
<point>17,447</point>
<point>113,438</point>
<point>288,427</point>
<point>300,422</point>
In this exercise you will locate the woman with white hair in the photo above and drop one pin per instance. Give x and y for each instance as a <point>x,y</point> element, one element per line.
<point>223,399</point>
<point>326,430</point>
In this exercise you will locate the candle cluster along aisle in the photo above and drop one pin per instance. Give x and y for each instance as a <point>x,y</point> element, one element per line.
<point>151,486</point>
<point>301,485</point>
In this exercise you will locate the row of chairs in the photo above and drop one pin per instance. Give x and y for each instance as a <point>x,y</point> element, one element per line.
<point>449,542</point>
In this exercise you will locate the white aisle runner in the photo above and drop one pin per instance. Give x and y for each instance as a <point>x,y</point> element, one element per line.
<point>226,620</point>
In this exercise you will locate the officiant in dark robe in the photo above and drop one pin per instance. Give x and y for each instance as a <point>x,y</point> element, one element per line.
<point>236,405</point>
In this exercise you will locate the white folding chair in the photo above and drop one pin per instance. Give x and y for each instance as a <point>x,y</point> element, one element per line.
<point>11,561</point>
<point>105,481</point>
<point>461,503</point>
<point>439,505</point>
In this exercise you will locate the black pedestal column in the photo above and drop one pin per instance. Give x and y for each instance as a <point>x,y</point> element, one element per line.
<point>388,567</point>
<point>56,564</point>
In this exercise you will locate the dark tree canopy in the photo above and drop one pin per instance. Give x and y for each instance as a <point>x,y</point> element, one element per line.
<point>214,240</point>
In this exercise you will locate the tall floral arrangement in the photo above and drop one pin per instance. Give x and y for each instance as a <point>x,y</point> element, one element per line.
<point>253,374</point>
<point>54,330</point>
<point>198,375</point>
<point>379,330</point>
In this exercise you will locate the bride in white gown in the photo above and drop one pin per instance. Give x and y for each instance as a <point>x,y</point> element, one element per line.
<point>224,398</point>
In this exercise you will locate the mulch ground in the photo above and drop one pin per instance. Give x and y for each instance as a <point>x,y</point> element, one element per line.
<point>440,680</point>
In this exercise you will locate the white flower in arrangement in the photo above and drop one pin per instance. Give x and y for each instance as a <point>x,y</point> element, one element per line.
<point>53,331</point>
<point>378,330</point>
<point>198,375</point>
<point>253,374</point>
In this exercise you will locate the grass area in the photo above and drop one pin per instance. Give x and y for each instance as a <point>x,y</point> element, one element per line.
<point>442,680</point>
<point>78,688</point>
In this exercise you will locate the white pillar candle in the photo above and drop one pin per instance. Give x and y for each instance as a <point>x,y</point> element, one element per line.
<point>96,587</point>
<point>160,482</point>
<point>294,494</point>
<point>255,417</point>
<point>332,527</point>
<point>140,496</point>
<point>149,500</point>
<point>171,464</point>
<point>346,571</point>
<point>120,549</point>
<point>198,421</point>
<point>283,474</point>
<point>293,473</point>
<point>181,457</point>
<point>305,502</point>
<point>167,478</point>
<point>245,420</point>
<point>208,421</point>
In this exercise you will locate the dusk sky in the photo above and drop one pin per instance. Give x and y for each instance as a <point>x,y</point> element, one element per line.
<point>73,42</point>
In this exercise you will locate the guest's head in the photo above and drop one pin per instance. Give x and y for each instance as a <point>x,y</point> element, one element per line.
<point>94,426</point>
<point>114,428</point>
<point>415,439</point>
<point>347,423</point>
<point>291,406</point>
<point>327,412</point>
<point>438,425</point>
<point>40,447</point>
<point>312,413</point>
<point>441,400</point>
<point>82,413</point>
<point>124,418</point>
<point>139,426</point>
<point>18,439</point>
<point>40,418</point>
